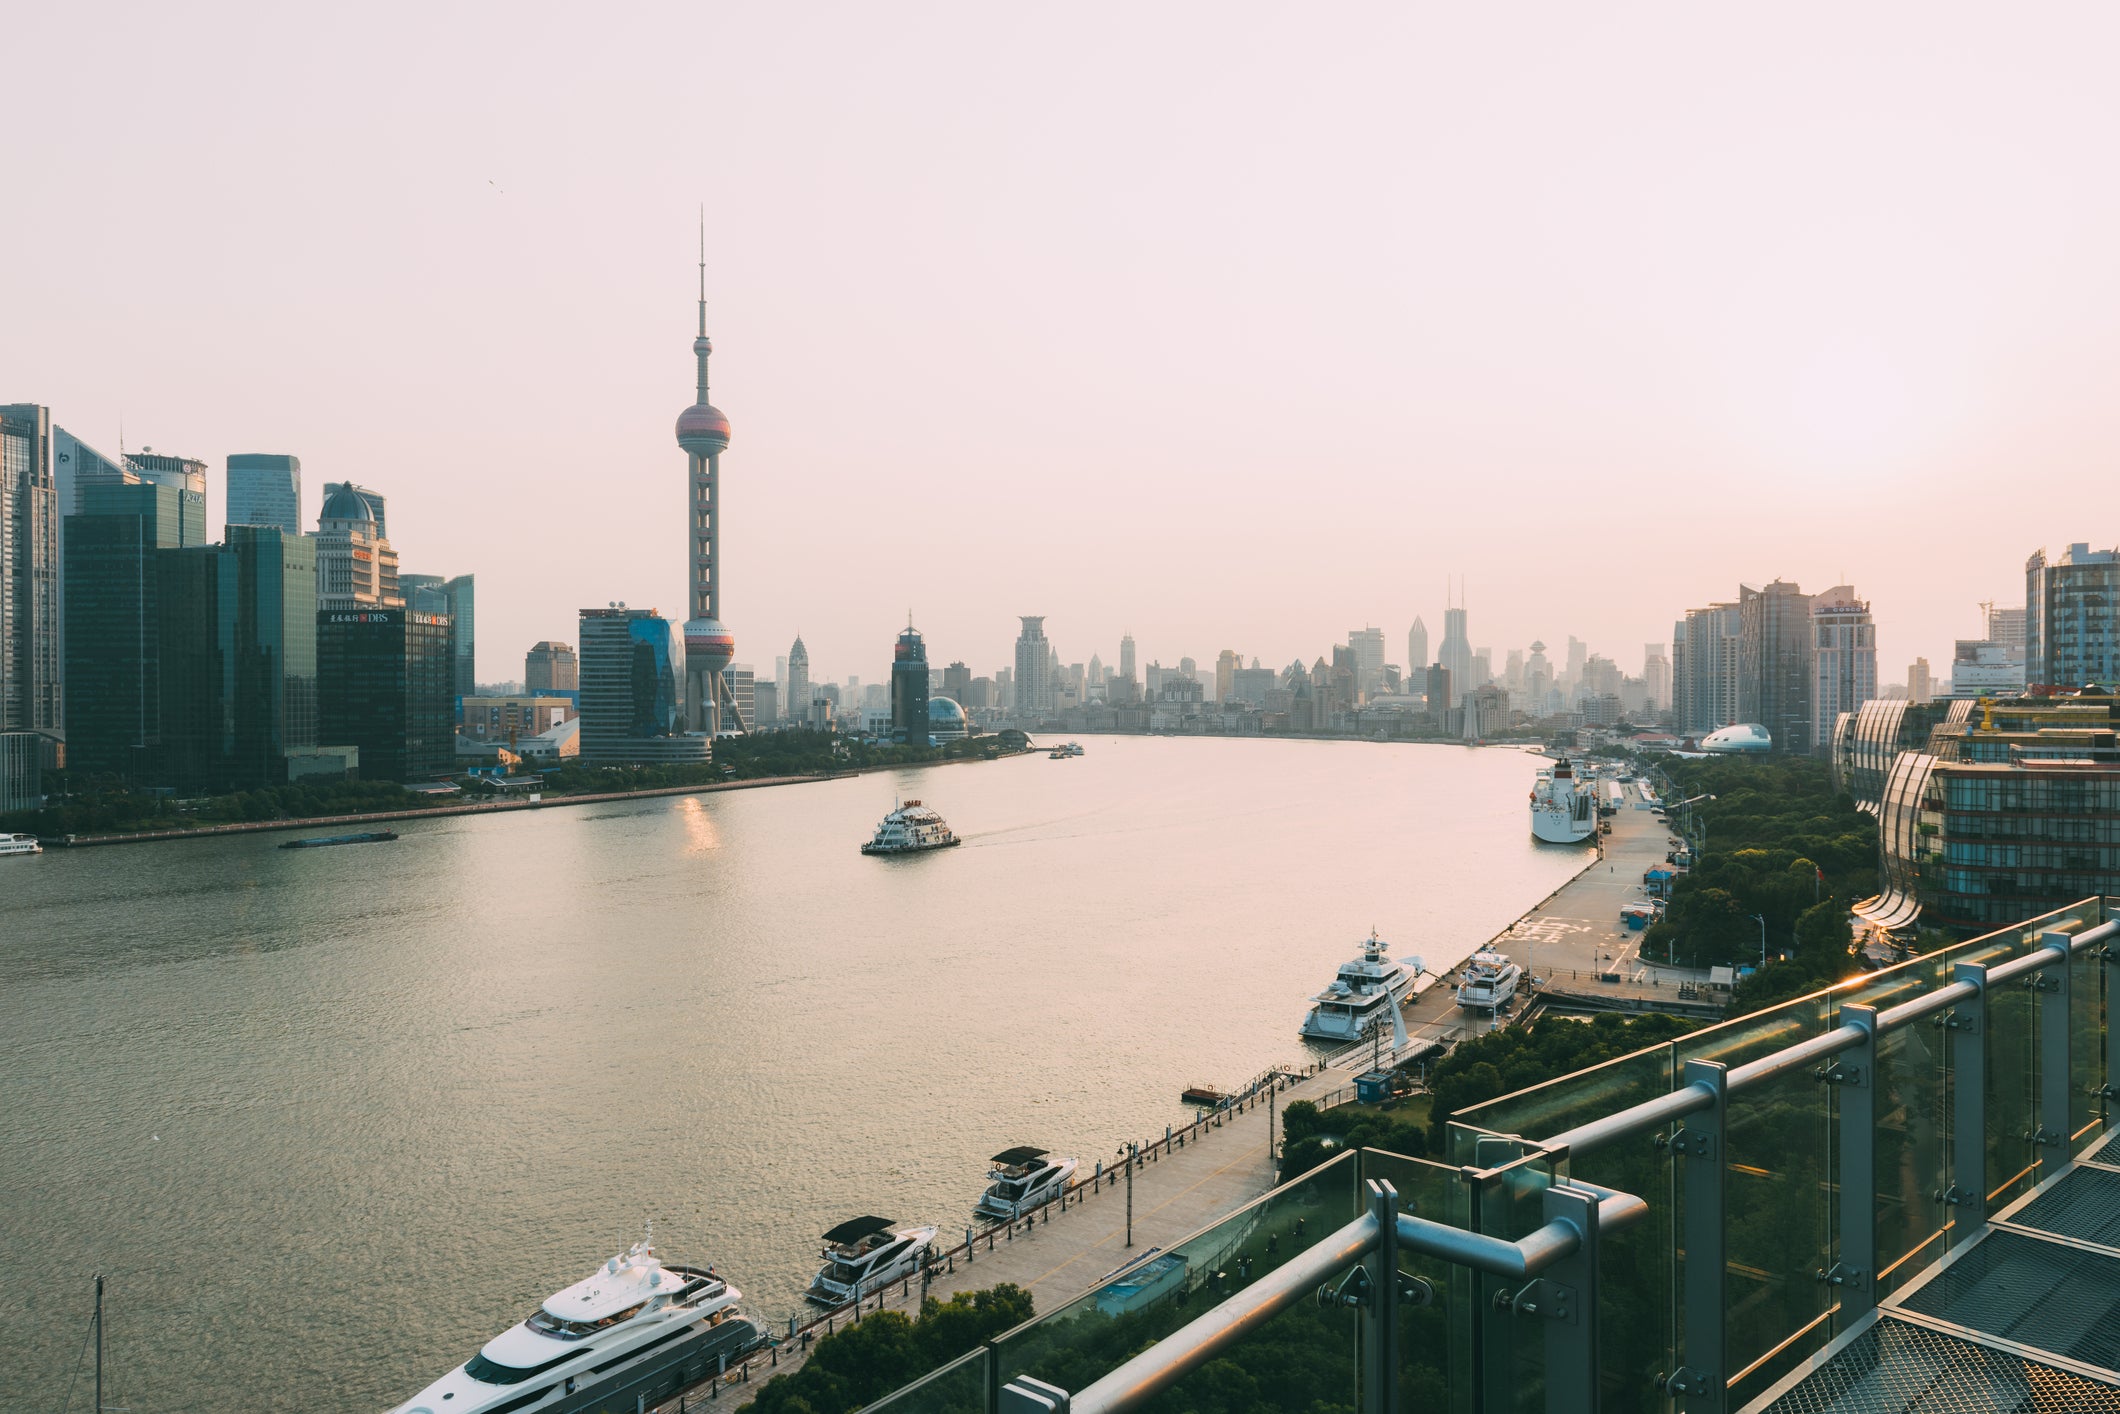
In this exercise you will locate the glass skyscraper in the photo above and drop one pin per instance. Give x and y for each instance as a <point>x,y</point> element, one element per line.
<point>265,488</point>
<point>2072,618</point>
<point>909,689</point>
<point>384,680</point>
<point>632,663</point>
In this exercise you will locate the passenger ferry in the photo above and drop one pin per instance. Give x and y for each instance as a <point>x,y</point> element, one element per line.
<point>634,1331</point>
<point>1563,808</point>
<point>1360,997</point>
<point>866,1255</point>
<point>910,829</point>
<point>1490,981</point>
<point>20,844</point>
<point>1023,1180</point>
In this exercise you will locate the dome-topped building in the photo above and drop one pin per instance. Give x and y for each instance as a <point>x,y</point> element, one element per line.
<point>947,720</point>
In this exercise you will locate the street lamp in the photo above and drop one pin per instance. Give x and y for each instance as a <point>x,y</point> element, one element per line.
<point>1132,1151</point>
<point>1761,920</point>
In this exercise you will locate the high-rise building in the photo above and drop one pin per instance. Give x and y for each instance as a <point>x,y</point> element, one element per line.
<point>1456,654</point>
<point>1844,659</point>
<point>632,667</point>
<point>1441,691</point>
<point>1775,656</point>
<point>385,683</point>
<point>703,432</point>
<point>238,629</point>
<point>1482,667</point>
<point>1126,656</point>
<point>1367,644</point>
<point>1578,656</point>
<point>1921,685</point>
<point>765,697</point>
<point>795,701</point>
<point>265,488</point>
<point>1034,692</point>
<point>114,622</point>
<point>32,664</point>
<point>463,614</point>
<point>1656,677</point>
<point>2072,617</point>
<point>183,473</point>
<point>1416,649</point>
<point>550,667</point>
<point>75,467</point>
<point>356,566</point>
<point>1539,690</point>
<point>909,688</point>
<point>1226,665</point>
<point>2006,627</point>
<point>957,684</point>
<point>1706,670</point>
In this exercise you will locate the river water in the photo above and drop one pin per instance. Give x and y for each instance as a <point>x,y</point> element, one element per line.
<point>330,1119</point>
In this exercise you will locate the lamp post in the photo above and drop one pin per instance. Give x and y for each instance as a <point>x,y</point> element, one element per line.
<point>1132,1151</point>
<point>1761,920</point>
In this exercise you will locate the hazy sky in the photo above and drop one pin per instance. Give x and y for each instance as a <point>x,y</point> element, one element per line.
<point>1238,325</point>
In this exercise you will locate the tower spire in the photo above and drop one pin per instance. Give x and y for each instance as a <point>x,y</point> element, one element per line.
<point>703,346</point>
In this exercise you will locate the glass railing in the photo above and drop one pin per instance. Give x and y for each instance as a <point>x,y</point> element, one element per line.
<point>1786,1194</point>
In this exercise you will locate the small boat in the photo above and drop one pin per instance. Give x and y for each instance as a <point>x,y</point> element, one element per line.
<point>1056,754</point>
<point>911,829</point>
<point>320,841</point>
<point>20,844</point>
<point>1202,1095</point>
<point>634,1330</point>
<point>1023,1180</point>
<point>866,1255</point>
<point>1490,981</point>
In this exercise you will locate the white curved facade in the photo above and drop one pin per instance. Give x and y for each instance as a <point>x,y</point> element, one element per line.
<point>1743,738</point>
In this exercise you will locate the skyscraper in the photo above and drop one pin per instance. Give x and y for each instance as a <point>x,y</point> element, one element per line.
<point>183,473</point>
<point>113,627</point>
<point>703,432</point>
<point>795,696</point>
<point>909,688</point>
<point>1456,654</point>
<point>632,666</point>
<point>2072,617</point>
<point>1921,683</point>
<point>1416,649</point>
<point>1844,658</point>
<point>1226,665</point>
<point>238,628</point>
<point>1656,677</point>
<point>384,684</point>
<point>265,488</point>
<point>356,566</point>
<point>1775,653</point>
<point>1706,672</point>
<point>1034,692</point>
<point>31,661</point>
<point>1126,656</point>
<point>463,611</point>
<point>550,667</point>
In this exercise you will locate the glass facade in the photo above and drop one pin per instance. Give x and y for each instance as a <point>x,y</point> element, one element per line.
<point>265,489</point>
<point>2072,618</point>
<point>1774,664</point>
<point>1708,1224</point>
<point>384,684</point>
<point>31,658</point>
<point>632,709</point>
<point>909,689</point>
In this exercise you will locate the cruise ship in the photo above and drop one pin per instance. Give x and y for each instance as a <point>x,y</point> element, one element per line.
<point>911,829</point>
<point>1360,997</point>
<point>20,844</point>
<point>635,1331</point>
<point>866,1255</point>
<point>1563,808</point>
<point>1490,982</point>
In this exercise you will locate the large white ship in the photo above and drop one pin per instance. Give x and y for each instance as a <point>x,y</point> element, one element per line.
<point>1563,807</point>
<point>909,829</point>
<point>1361,995</point>
<point>20,844</point>
<point>633,1332</point>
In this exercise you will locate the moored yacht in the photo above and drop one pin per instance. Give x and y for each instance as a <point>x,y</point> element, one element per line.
<point>1023,1179</point>
<point>866,1255</point>
<point>910,829</point>
<point>635,1330</point>
<point>1361,995</point>
<point>1490,981</point>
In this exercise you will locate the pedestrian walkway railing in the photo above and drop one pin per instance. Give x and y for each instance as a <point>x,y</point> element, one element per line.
<point>1698,1221</point>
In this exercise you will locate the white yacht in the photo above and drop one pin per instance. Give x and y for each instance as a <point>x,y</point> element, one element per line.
<point>1563,808</point>
<point>1360,997</point>
<point>866,1255</point>
<point>1490,981</point>
<point>20,844</point>
<point>634,1330</point>
<point>1023,1179</point>
<point>910,829</point>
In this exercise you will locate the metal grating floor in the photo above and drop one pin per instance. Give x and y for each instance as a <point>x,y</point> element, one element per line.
<point>2083,1204</point>
<point>2107,1150</point>
<point>1897,1368</point>
<point>2059,1299</point>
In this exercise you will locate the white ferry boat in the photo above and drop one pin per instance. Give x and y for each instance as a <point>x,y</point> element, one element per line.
<point>866,1255</point>
<point>910,829</point>
<point>1490,981</point>
<point>1563,808</point>
<point>1360,997</point>
<point>20,844</point>
<point>635,1331</point>
<point>1023,1180</point>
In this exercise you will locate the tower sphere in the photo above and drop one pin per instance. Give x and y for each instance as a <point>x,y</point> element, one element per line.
<point>702,430</point>
<point>708,642</point>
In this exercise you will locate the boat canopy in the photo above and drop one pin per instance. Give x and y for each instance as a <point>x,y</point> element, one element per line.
<point>1021,1154</point>
<point>854,1229</point>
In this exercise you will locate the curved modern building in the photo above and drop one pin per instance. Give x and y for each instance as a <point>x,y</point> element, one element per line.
<point>1746,738</point>
<point>710,705</point>
<point>947,721</point>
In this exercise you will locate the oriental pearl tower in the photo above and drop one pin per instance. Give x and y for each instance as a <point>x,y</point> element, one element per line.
<point>704,434</point>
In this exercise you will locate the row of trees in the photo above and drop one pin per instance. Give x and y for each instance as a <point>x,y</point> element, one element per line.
<point>859,1364</point>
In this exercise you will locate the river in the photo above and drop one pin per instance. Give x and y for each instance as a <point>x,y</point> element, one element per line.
<point>330,1119</point>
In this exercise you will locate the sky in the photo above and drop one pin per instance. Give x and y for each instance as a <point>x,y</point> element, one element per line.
<point>1236,325</point>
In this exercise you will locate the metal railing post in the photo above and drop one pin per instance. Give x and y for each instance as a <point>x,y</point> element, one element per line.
<point>2109,993</point>
<point>1856,1080</point>
<point>1380,1370</point>
<point>1967,1023</point>
<point>2055,1089</point>
<point>1570,1297</point>
<point>1704,1377</point>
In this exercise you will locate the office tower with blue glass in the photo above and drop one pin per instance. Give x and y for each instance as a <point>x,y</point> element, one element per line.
<point>265,488</point>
